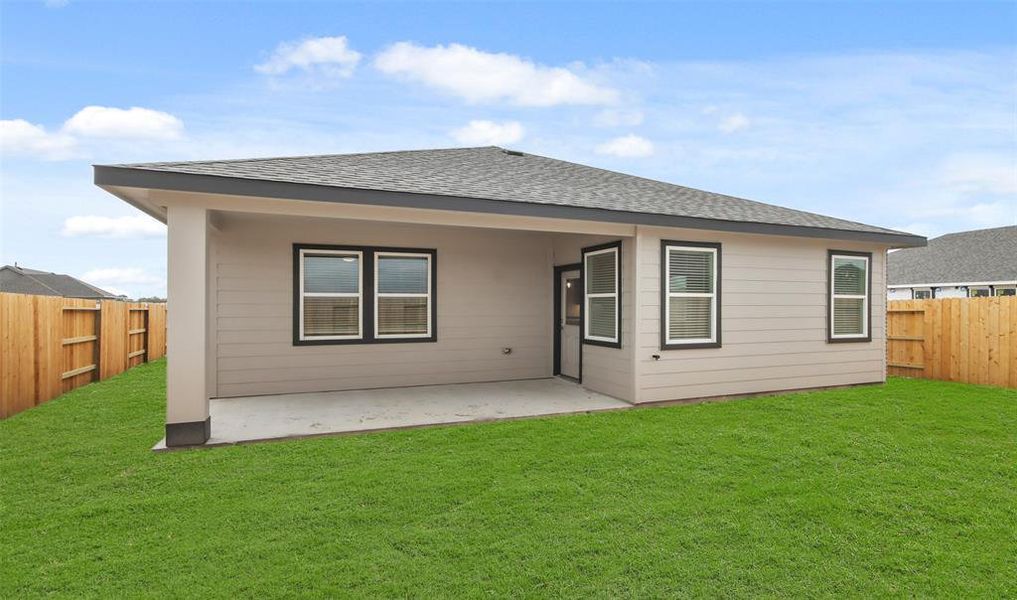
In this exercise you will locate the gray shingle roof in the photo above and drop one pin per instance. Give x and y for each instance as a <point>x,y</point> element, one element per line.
<point>965,257</point>
<point>19,280</point>
<point>491,173</point>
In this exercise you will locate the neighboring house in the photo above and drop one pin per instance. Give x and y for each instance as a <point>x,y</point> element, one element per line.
<point>482,264</point>
<point>19,280</point>
<point>957,265</point>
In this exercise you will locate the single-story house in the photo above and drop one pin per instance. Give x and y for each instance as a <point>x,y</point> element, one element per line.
<point>967,264</point>
<point>16,279</point>
<point>411,268</point>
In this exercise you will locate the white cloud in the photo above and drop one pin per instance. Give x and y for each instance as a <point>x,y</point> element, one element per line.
<point>618,118</point>
<point>19,137</point>
<point>629,146</point>
<point>131,123</point>
<point>113,227</point>
<point>327,56</point>
<point>477,76</point>
<point>733,123</point>
<point>489,133</point>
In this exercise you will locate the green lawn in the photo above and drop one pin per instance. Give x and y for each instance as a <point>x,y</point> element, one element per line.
<point>908,489</point>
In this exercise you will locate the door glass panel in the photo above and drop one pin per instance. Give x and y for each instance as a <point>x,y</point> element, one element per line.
<point>572,301</point>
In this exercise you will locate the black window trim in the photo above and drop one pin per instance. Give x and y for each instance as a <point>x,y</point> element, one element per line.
<point>829,298</point>
<point>664,287</point>
<point>617,246</point>
<point>368,293</point>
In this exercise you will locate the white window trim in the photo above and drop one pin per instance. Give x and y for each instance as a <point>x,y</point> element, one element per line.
<point>377,294</point>
<point>668,294</point>
<point>914,293</point>
<point>359,294</point>
<point>999,288</point>
<point>864,298</point>
<point>587,297</point>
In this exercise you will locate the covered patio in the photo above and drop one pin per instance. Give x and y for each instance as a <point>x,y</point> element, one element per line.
<point>282,416</point>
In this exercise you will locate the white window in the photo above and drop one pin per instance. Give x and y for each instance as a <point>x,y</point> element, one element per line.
<point>331,294</point>
<point>849,296</point>
<point>1005,291</point>
<point>602,314</point>
<point>923,294</point>
<point>402,304</point>
<point>978,292</point>
<point>690,294</point>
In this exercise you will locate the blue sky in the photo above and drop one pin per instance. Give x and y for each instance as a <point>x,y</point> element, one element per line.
<point>896,114</point>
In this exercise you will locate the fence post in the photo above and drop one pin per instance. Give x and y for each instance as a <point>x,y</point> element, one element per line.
<point>97,353</point>
<point>148,332</point>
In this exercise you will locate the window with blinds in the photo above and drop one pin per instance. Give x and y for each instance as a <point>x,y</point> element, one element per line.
<point>361,294</point>
<point>849,296</point>
<point>602,310</point>
<point>331,300</point>
<point>402,295</point>
<point>690,315</point>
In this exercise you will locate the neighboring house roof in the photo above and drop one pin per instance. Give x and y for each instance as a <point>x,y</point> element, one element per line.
<point>983,255</point>
<point>487,179</point>
<point>19,280</point>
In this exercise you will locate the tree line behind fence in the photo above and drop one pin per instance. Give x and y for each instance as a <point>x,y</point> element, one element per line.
<point>955,339</point>
<point>51,345</point>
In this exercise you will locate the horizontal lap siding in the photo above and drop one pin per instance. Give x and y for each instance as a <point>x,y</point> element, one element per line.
<point>607,370</point>
<point>493,292</point>
<point>773,307</point>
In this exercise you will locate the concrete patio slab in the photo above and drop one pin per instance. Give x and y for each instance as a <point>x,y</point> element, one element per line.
<point>256,418</point>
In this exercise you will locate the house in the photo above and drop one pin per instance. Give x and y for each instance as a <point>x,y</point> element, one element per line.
<point>975,263</point>
<point>20,280</point>
<point>391,269</point>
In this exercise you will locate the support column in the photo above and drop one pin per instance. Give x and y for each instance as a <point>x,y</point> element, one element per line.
<point>187,420</point>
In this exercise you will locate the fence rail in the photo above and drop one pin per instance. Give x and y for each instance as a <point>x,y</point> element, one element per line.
<point>50,345</point>
<point>955,339</point>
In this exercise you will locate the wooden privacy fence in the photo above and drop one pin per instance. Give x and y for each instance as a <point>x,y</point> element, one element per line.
<point>956,339</point>
<point>50,345</point>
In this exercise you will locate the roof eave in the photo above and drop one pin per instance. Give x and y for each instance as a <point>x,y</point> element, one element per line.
<point>108,177</point>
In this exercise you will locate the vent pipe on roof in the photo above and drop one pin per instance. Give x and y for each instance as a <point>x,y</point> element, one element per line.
<point>513,152</point>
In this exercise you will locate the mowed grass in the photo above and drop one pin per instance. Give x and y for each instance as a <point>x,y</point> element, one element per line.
<point>907,489</point>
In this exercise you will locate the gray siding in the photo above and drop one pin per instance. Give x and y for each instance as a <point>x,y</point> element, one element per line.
<point>773,307</point>
<point>494,291</point>
<point>607,370</point>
